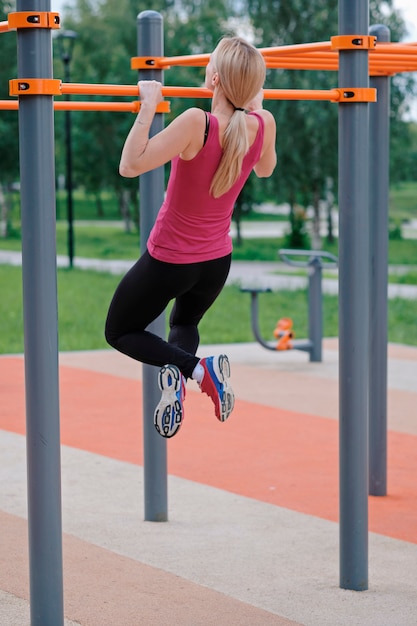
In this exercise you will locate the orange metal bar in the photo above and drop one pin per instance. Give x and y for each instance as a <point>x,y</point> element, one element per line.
<point>4,27</point>
<point>395,48</point>
<point>408,62</point>
<point>318,56</point>
<point>191,60</point>
<point>384,63</point>
<point>85,89</point>
<point>71,105</point>
<point>332,95</point>
<point>131,90</point>
<point>200,60</point>
<point>9,105</point>
<point>195,92</point>
<point>299,64</point>
<point>299,48</point>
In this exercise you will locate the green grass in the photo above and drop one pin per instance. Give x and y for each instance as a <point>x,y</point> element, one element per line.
<point>107,242</point>
<point>409,278</point>
<point>112,242</point>
<point>84,296</point>
<point>402,205</point>
<point>403,201</point>
<point>85,206</point>
<point>83,299</point>
<point>402,252</point>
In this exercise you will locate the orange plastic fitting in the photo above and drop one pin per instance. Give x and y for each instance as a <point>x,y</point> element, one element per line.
<point>34,86</point>
<point>34,19</point>
<point>357,94</point>
<point>353,42</point>
<point>147,63</point>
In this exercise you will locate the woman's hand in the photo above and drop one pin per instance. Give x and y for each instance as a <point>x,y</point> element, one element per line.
<point>150,91</point>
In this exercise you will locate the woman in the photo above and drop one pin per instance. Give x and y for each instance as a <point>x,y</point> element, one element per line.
<point>189,249</point>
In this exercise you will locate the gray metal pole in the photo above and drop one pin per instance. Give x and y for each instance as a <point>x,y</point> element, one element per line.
<point>353,304</point>
<point>378,208</point>
<point>315,309</point>
<point>37,180</point>
<point>68,178</point>
<point>150,43</point>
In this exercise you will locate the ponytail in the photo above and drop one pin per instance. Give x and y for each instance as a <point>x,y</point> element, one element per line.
<point>241,69</point>
<point>235,146</point>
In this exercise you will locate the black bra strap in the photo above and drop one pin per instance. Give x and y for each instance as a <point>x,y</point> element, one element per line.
<point>207,128</point>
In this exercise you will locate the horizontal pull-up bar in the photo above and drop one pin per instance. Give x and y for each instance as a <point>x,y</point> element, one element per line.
<point>29,86</point>
<point>332,95</point>
<point>387,65</point>
<point>71,105</point>
<point>81,89</point>
<point>310,56</point>
<point>384,58</point>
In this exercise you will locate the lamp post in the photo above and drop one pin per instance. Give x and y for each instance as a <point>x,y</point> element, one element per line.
<point>65,40</point>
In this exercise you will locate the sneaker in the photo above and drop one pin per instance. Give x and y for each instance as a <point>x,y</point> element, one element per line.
<point>216,384</point>
<point>169,413</point>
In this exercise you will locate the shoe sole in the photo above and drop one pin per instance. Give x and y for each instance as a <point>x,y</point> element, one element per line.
<point>221,367</point>
<point>169,412</point>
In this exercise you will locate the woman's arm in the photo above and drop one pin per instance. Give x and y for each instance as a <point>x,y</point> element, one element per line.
<point>140,153</point>
<point>266,164</point>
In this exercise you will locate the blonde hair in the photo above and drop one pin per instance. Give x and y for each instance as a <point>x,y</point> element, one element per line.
<point>241,70</point>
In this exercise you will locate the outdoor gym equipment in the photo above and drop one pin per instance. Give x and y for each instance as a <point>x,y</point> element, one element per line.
<point>362,346</point>
<point>314,262</point>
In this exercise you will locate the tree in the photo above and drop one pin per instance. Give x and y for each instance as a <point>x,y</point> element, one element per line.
<point>9,133</point>
<point>307,131</point>
<point>106,41</point>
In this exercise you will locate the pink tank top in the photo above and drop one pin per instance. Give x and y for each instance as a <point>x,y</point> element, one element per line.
<point>191,225</point>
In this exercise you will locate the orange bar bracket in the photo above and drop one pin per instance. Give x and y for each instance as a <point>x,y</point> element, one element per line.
<point>353,42</point>
<point>34,87</point>
<point>358,94</point>
<point>34,19</point>
<point>148,63</point>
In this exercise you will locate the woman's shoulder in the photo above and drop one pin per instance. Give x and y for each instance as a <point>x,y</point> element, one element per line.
<point>193,114</point>
<point>265,115</point>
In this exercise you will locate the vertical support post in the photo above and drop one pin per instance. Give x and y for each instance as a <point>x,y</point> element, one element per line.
<point>315,309</point>
<point>378,208</point>
<point>353,304</point>
<point>68,178</point>
<point>37,178</point>
<point>150,43</point>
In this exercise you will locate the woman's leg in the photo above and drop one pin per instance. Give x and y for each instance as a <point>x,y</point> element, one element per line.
<point>190,307</point>
<point>212,373</point>
<point>141,296</point>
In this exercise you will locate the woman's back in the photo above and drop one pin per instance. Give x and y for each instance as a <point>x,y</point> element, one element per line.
<point>192,225</point>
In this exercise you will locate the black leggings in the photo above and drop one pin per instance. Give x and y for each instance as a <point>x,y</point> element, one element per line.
<point>144,293</point>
